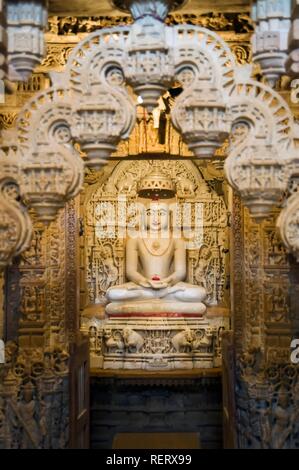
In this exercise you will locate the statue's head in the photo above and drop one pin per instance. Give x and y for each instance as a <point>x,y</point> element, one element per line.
<point>157,216</point>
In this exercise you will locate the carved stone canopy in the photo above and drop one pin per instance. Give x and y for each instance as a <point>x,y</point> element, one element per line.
<point>156,185</point>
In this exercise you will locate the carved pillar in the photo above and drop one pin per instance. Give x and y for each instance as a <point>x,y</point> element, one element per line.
<point>72,263</point>
<point>228,390</point>
<point>265,293</point>
<point>37,362</point>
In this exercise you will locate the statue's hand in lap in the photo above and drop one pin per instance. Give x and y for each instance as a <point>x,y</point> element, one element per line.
<point>145,283</point>
<point>149,284</point>
<point>158,284</point>
<point>142,284</point>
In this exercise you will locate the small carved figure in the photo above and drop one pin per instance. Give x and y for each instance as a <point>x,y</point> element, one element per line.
<point>183,340</point>
<point>26,413</point>
<point>126,183</point>
<point>284,417</point>
<point>185,187</point>
<point>202,339</point>
<point>113,341</point>
<point>133,340</point>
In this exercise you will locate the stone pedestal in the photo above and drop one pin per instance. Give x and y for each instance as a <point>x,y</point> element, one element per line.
<point>155,343</point>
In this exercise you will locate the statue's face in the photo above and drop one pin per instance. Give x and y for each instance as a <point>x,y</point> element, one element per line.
<point>157,217</point>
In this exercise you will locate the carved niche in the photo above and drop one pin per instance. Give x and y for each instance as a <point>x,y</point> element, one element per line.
<point>110,206</point>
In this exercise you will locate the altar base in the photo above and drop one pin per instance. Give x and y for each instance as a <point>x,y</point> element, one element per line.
<point>155,343</point>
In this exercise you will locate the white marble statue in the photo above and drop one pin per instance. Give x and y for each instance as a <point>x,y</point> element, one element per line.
<point>156,269</point>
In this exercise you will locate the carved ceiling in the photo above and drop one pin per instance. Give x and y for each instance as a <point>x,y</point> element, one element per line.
<point>104,8</point>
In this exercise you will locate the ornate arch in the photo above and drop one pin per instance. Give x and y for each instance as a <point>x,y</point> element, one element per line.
<point>99,50</point>
<point>258,166</point>
<point>52,170</point>
<point>193,44</point>
<point>103,111</point>
<point>270,116</point>
<point>96,107</point>
<point>205,67</point>
<point>288,225</point>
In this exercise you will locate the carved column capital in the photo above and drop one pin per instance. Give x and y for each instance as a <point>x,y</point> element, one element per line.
<point>26,22</point>
<point>270,40</point>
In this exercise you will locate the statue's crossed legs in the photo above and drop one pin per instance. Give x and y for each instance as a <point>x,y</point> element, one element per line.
<point>132,298</point>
